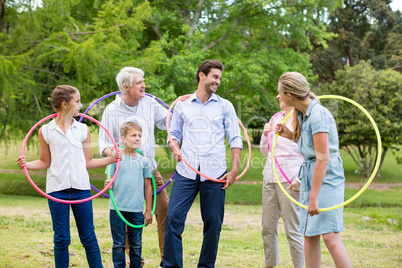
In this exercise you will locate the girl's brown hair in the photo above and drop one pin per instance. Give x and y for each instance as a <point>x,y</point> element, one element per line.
<point>62,93</point>
<point>297,85</point>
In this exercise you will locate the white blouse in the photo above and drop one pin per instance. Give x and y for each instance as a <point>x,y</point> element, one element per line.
<point>68,165</point>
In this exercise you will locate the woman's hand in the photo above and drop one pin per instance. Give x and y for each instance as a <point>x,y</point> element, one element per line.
<point>271,127</point>
<point>284,131</point>
<point>295,186</point>
<point>312,208</point>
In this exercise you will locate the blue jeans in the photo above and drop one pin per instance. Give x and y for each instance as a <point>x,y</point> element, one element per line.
<point>212,204</point>
<point>118,228</point>
<point>83,215</point>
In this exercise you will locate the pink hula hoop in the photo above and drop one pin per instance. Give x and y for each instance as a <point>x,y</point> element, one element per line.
<point>185,97</point>
<point>61,200</point>
<point>270,146</point>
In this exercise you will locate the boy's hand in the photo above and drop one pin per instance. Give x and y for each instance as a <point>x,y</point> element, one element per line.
<point>147,217</point>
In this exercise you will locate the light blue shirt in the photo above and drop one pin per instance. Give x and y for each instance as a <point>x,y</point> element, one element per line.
<point>128,187</point>
<point>201,129</point>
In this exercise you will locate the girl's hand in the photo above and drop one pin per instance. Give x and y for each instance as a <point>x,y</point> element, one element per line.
<point>119,154</point>
<point>295,186</point>
<point>116,155</point>
<point>21,161</point>
<point>312,208</point>
<point>106,183</point>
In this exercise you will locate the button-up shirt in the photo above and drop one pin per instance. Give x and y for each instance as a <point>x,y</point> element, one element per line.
<point>201,129</point>
<point>148,113</point>
<point>68,165</point>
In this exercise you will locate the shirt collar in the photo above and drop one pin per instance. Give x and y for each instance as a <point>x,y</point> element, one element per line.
<point>53,125</point>
<point>120,102</point>
<point>193,97</point>
<point>309,108</point>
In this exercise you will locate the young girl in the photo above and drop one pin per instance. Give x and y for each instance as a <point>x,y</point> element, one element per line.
<point>132,182</point>
<point>65,151</point>
<point>321,174</point>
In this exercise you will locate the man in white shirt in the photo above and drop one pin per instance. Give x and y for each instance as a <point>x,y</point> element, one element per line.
<point>133,105</point>
<point>198,131</point>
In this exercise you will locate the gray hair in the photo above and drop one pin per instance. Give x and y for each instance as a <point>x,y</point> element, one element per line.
<point>125,77</point>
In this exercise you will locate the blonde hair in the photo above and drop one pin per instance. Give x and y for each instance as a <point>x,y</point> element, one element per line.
<point>295,84</point>
<point>128,126</point>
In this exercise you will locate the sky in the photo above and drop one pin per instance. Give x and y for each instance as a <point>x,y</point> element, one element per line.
<point>396,5</point>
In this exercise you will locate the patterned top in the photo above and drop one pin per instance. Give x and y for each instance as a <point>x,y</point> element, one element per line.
<point>68,165</point>
<point>286,152</point>
<point>147,113</point>
<point>201,129</point>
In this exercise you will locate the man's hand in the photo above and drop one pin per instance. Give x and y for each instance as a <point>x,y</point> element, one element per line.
<point>230,179</point>
<point>175,148</point>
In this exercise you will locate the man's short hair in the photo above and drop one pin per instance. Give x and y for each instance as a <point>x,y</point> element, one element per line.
<point>125,77</point>
<point>206,67</point>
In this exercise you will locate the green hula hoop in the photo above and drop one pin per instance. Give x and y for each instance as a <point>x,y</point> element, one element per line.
<point>377,164</point>
<point>114,203</point>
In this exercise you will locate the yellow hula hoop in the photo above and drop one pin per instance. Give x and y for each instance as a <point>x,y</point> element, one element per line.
<point>377,164</point>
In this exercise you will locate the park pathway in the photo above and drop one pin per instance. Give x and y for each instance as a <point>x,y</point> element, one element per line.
<point>348,185</point>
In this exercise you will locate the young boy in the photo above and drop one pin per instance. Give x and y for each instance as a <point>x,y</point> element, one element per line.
<point>132,181</point>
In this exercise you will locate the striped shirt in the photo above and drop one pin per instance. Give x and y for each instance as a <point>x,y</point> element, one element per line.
<point>201,129</point>
<point>147,113</point>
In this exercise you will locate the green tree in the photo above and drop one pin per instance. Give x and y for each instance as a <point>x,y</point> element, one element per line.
<point>379,92</point>
<point>85,42</point>
<point>366,30</point>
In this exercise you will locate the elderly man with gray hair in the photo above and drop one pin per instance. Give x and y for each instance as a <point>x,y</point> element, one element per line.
<point>133,105</point>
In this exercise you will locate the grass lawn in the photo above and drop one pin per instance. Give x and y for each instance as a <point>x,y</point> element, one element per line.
<point>370,238</point>
<point>372,223</point>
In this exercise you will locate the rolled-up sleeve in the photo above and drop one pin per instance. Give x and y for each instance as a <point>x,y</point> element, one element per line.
<point>232,128</point>
<point>176,124</point>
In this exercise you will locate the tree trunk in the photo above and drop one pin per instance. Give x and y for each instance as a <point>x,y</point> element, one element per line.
<point>2,14</point>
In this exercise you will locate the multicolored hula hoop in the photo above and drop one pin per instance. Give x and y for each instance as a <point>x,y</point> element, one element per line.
<point>183,98</point>
<point>61,200</point>
<point>115,93</point>
<point>115,205</point>
<point>377,164</point>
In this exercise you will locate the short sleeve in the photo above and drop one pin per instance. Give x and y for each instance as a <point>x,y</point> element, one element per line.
<point>146,167</point>
<point>112,168</point>
<point>321,120</point>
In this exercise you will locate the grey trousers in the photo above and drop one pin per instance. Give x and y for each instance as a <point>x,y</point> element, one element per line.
<point>275,203</point>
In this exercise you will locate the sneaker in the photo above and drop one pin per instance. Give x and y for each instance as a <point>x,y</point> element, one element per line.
<point>161,265</point>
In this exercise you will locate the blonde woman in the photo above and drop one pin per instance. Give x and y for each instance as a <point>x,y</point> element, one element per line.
<point>321,174</point>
